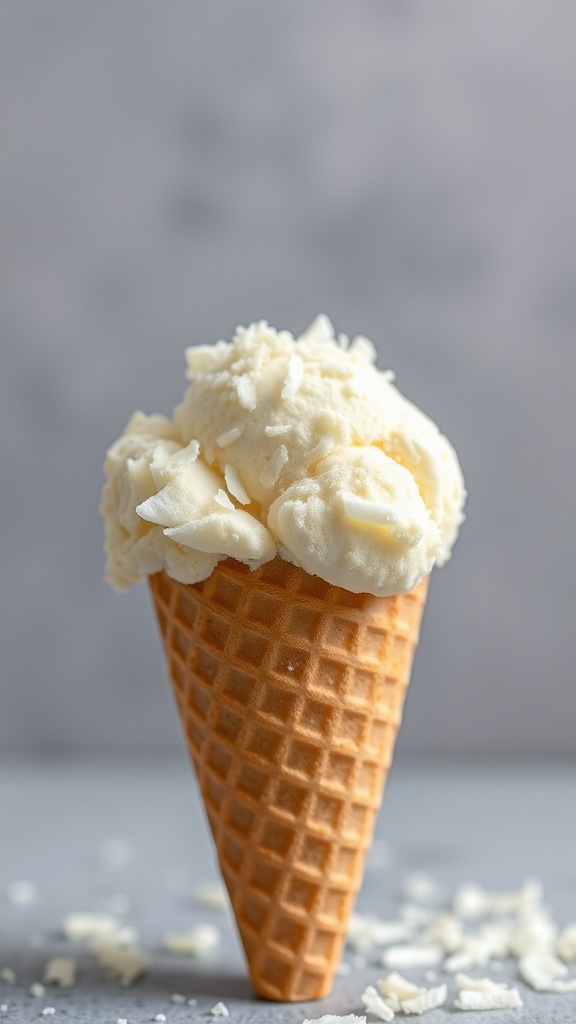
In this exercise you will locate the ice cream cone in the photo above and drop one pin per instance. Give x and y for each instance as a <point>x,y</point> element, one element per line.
<point>290,692</point>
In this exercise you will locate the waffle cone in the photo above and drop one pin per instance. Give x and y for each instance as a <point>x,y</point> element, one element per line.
<point>290,692</point>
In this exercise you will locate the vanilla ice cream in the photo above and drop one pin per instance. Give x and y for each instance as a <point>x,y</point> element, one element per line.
<point>296,447</point>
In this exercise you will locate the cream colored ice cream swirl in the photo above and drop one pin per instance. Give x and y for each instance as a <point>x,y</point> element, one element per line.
<point>298,447</point>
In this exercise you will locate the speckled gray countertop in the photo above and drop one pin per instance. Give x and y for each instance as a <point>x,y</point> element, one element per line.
<point>495,825</point>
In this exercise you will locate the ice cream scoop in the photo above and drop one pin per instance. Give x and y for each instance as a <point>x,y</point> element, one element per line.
<point>298,447</point>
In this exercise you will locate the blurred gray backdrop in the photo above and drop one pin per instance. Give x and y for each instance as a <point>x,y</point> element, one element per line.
<point>170,169</point>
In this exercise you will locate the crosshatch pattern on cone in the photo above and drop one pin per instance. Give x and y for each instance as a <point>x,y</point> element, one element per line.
<point>290,692</point>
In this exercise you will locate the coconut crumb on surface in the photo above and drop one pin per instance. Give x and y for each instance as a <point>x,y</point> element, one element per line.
<point>220,1010</point>
<point>178,999</point>
<point>412,956</point>
<point>197,941</point>
<point>428,999</point>
<point>374,1003</point>
<point>122,1020</point>
<point>49,1011</point>
<point>8,975</point>
<point>507,999</point>
<point>335,1018</point>
<point>22,893</point>
<point>124,965</point>
<point>566,943</point>
<point>161,1017</point>
<point>60,970</point>
<point>3,1007</point>
<point>37,990</point>
<point>366,931</point>
<point>540,968</point>
<point>471,900</point>
<point>86,926</point>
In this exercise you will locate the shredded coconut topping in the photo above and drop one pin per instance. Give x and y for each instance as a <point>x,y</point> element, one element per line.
<point>222,499</point>
<point>235,485</point>
<point>369,511</point>
<point>230,436</point>
<point>294,376</point>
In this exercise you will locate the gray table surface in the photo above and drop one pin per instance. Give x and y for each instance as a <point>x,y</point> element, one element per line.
<point>494,825</point>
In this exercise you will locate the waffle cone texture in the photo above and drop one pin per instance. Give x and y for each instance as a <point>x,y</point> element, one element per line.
<point>290,692</point>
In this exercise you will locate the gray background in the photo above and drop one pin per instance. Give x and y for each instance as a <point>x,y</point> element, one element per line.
<point>171,169</point>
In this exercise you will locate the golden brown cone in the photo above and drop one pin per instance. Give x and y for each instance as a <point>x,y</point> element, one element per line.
<point>290,692</point>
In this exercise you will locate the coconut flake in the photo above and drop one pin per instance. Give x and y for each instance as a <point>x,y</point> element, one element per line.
<point>229,436</point>
<point>60,970</point>
<point>374,1004</point>
<point>124,965</point>
<point>412,956</point>
<point>486,985</point>
<point>540,969</point>
<point>220,1010</point>
<point>235,485</point>
<point>566,943</point>
<point>246,391</point>
<point>278,429</point>
<point>506,999</point>
<point>79,927</point>
<point>367,931</point>
<point>271,471</point>
<point>198,941</point>
<point>213,895</point>
<point>369,511</point>
<point>221,498</point>
<point>37,990</point>
<point>294,376</point>
<point>335,1018</point>
<point>429,999</point>
<point>396,987</point>
<point>473,901</point>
